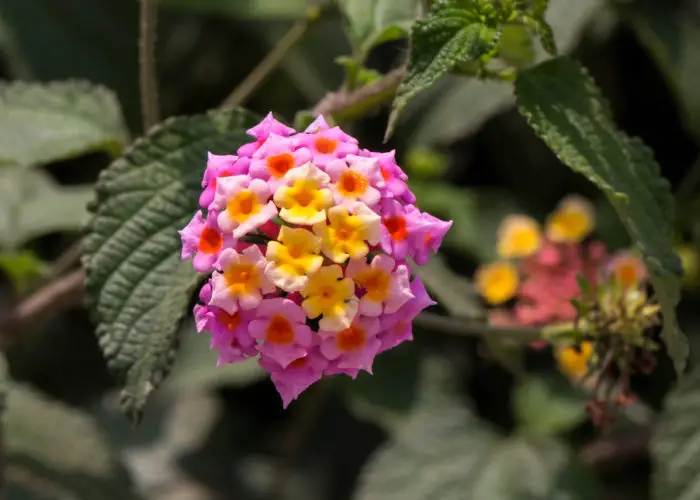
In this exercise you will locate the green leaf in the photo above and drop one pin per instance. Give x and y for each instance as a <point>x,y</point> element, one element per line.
<point>244,9</point>
<point>54,451</point>
<point>32,204</point>
<point>457,106</point>
<point>566,109</point>
<point>42,123</point>
<point>23,268</point>
<point>476,215</point>
<point>674,451</point>
<point>446,452</point>
<point>547,404</point>
<point>451,35</point>
<point>672,37</point>
<point>137,286</point>
<point>372,22</point>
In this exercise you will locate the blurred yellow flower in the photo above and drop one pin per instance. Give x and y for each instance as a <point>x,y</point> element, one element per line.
<point>497,282</point>
<point>689,260</point>
<point>572,221</point>
<point>573,361</point>
<point>518,236</point>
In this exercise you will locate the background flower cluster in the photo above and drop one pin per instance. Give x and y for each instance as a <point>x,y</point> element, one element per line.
<point>537,275</point>
<point>309,240</point>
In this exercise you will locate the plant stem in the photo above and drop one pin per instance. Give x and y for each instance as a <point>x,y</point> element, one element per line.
<point>147,64</point>
<point>263,70</point>
<point>465,327</point>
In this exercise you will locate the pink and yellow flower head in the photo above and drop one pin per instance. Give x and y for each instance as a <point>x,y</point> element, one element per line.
<point>307,238</point>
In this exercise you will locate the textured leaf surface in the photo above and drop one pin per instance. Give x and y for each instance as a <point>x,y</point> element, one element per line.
<point>565,108</point>
<point>456,106</point>
<point>674,445</point>
<point>44,123</point>
<point>445,453</point>
<point>547,404</point>
<point>672,37</point>
<point>54,451</point>
<point>137,286</point>
<point>32,204</point>
<point>372,22</point>
<point>449,36</point>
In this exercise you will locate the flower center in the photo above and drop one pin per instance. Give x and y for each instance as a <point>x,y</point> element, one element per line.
<point>299,363</point>
<point>626,274</point>
<point>376,283</point>
<point>210,241</point>
<point>325,146</point>
<point>352,183</point>
<point>241,279</point>
<point>351,338</point>
<point>386,175</point>
<point>397,227</point>
<point>278,165</point>
<point>243,205</point>
<point>230,321</point>
<point>279,331</point>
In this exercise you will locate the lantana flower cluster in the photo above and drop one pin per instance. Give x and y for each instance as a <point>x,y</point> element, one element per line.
<point>537,274</point>
<point>308,238</point>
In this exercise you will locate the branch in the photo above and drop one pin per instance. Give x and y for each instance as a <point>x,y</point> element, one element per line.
<point>343,106</point>
<point>63,293</point>
<point>263,70</point>
<point>147,64</point>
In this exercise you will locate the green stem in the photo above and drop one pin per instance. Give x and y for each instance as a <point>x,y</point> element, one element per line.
<point>263,70</point>
<point>465,327</point>
<point>147,64</point>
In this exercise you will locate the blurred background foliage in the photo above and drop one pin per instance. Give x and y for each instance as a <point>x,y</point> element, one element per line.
<point>444,416</point>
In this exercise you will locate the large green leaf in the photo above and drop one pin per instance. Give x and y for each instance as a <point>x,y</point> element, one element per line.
<point>137,286</point>
<point>41,123</point>
<point>95,41</point>
<point>456,106</point>
<point>565,108</point>
<point>672,36</point>
<point>372,22</point>
<point>445,452</point>
<point>674,445</point>
<point>32,204</point>
<point>54,451</point>
<point>455,32</point>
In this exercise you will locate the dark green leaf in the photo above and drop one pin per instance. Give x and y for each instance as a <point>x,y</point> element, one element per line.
<point>56,121</point>
<point>137,286</point>
<point>372,22</point>
<point>453,292</point>
<point>54,451</point>
<point>95,41</point>
<point>674,449</point>
<point>32,205</point>
<point>456,106</point>
<point>564,106</point>
<point>452,34</point>
<point>547,404</point>
<point>444,452</point>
